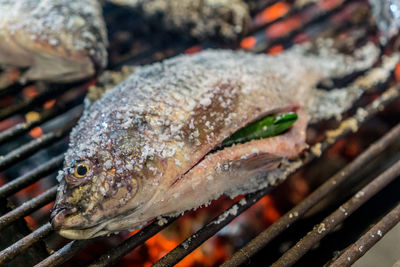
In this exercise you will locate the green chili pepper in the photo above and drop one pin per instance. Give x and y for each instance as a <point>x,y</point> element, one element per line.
<point>266,127</point>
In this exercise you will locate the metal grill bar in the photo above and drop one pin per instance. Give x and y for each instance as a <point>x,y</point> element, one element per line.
<point>45,116</point>
<point>193,242</point>
<point>35,145</point>
<point>65,253</point>
<point>131,243</point>
<point>31,177</point>
<point>370,238</point>
<point>255,245</point>
<point>28,207</point>
<point>330,222</point>
<point>69,250</point>
<point>20,246</point>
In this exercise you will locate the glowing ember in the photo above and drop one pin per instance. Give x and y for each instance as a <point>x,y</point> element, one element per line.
<point>397,72</point>
<point>248,43</point>
<point>284,27</point>
<point>30,91</point>
<point>276,49</point>
<point>272,13</point>
<point>32,116</point>
<point>31,222</point>
<point>218,248</point>
<point>36,132</point>
<point>193,49</point>
<point>49,104</point>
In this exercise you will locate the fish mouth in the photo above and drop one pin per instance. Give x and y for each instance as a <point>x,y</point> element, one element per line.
<point>87,233</point>
<point>60,215</point>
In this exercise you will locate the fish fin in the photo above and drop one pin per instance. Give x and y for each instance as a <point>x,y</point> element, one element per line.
<point>257,161</point>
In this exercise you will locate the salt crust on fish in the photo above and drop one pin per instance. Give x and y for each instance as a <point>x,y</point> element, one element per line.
<point>149,139</point>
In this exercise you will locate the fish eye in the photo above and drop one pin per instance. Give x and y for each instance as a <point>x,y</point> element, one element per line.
<point>81,170</point>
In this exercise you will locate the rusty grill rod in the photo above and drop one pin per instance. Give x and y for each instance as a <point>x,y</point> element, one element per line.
<point>370,238</point>
<point>255,245</point>
<point>345,128</point>
<point>65,253</point>
<point>35,145</point>
<point>28,207</point>
<point>69,250</point>
<point>45,116</point>
<point>31,177</point>
<point>210,229</point>
<point>131,243</point>
<point>338,216</point>
<point>21,245</point>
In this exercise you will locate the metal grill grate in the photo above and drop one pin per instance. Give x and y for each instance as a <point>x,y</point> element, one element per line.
<point>315,18</point>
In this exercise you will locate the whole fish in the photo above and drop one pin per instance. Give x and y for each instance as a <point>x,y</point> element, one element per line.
<point>56,40</point>
<point>147,147</point>
<point>226,19</point>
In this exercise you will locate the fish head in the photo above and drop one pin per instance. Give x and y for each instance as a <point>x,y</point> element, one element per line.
<point>99,184</point>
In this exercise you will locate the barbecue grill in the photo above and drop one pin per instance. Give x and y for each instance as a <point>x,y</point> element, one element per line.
<point>35,120</point>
